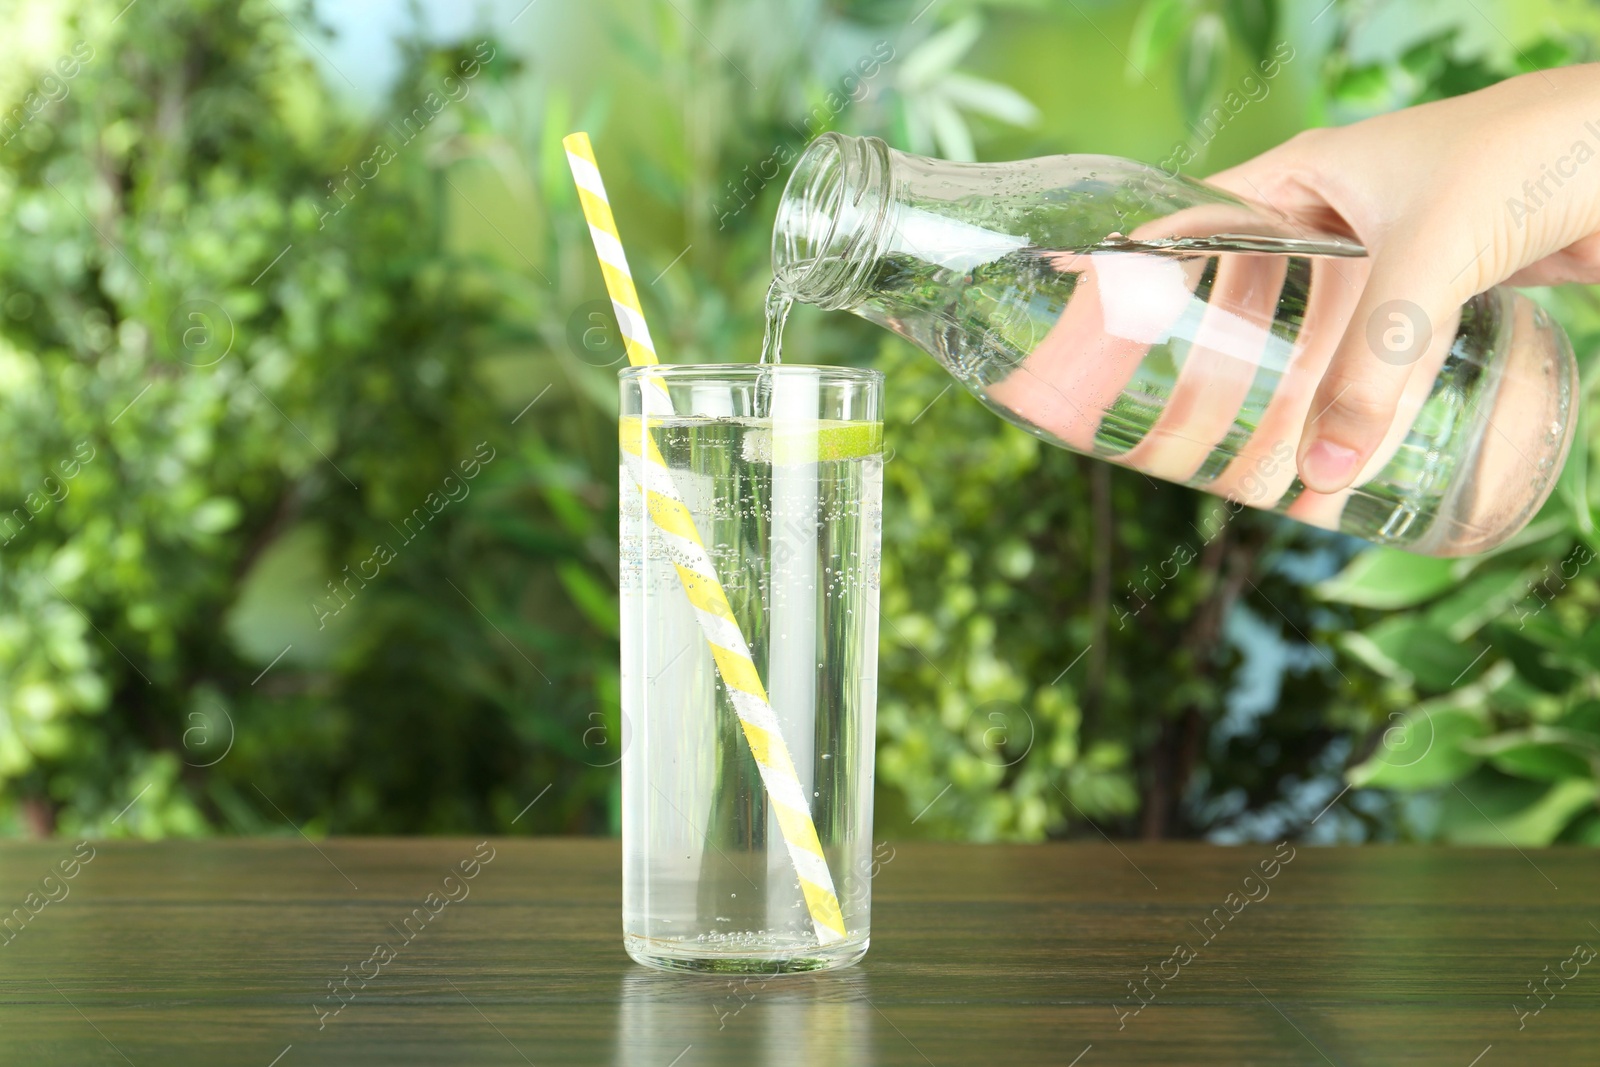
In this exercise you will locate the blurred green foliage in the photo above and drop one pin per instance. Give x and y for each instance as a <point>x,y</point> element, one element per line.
<point>274,366</point>
<point>336,395</point>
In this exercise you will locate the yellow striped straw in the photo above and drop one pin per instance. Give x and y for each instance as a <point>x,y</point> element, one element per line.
<point>671,516</point>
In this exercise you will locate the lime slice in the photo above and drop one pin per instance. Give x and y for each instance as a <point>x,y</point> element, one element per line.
<point>830,442</point>
<point>846,440</point>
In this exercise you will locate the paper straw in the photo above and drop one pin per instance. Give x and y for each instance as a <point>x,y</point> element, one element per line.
<point>729,649</point>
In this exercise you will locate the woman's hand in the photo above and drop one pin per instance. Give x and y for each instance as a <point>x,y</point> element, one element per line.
<point>1449,198</point>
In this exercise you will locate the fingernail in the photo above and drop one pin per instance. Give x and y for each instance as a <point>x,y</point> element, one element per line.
<point>1327,467</point>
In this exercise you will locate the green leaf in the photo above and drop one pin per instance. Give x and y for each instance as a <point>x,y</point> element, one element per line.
<point>1425,747</point>
<point>1543,54</point>
<point>989,98</point>
<point>288,603</point>
<point>938,55</point>
<point>949,129</point>
<point>597,602</point>
<point>1573,483</point>
<point>216,514</point>
<point>1389,578</point>
<point>1367,85</point>
<point>1543,763</point>
<point>1584,718</point>
<point>1360,647</point>
<point>1539,753</point>
<point>1200,64</point>
<point>1156,29</point>
<point>1513,698</point>
<point>1584,830</point>
<point>1252,21</point>
<point>1484,598</point>
<point>1534,649</point>
<point>555,179</point>
<point>1405,647</point>
<point>1586,649</point>
<point>1491,809</point>
<point>1546,535</point>
<point>1424,59</point>
<point>642,55</point>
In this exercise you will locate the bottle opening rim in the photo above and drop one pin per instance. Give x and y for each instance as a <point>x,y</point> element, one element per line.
<point>828,217</point>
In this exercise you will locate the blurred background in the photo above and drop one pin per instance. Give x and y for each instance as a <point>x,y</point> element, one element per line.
<point>308,460</point>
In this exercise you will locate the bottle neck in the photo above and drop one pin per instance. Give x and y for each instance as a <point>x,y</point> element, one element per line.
<point>833,224</point>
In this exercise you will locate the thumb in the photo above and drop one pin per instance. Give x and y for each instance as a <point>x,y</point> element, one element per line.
<point>1403,324</point>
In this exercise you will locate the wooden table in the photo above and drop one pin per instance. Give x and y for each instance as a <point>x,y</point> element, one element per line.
<point>223,952</point>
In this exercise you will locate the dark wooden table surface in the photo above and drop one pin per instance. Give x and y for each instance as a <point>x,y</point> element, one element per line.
<point>225,952</point>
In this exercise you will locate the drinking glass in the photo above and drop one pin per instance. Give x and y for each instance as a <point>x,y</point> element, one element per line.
<point>779,468</point>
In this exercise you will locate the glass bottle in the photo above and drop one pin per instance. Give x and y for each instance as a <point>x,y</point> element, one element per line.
<point>1160,323</point>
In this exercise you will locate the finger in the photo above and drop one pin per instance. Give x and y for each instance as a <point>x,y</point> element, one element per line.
<point>1264,468</point>
<point>1121,304</point>
<point>1227,349</point>
<point>1407,312</point>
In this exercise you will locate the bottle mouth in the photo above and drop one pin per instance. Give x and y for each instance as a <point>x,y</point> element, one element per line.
<point>830,219</point>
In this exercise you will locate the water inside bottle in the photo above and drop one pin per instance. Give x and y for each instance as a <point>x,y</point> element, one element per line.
<point>1196,360</point>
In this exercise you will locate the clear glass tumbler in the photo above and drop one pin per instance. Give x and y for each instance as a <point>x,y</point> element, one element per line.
<point>750,547</point>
